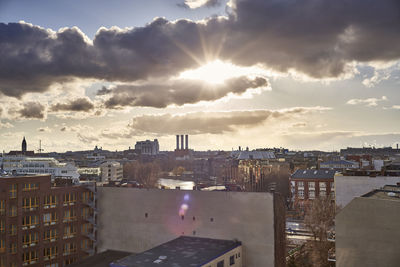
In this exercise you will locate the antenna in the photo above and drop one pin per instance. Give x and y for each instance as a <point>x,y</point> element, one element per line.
<point>40,150</point>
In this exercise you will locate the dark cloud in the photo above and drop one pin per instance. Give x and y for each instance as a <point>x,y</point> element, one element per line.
<point>32,110</point>
<point>103,91</point>
<point>179,92</point>
<point>209,122</point>
<point>80,104</point>
<point>317,38</point>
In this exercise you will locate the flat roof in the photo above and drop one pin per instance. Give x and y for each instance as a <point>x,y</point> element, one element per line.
<point>183,251</point>
<point>388,192</point>
<point>102,259</point>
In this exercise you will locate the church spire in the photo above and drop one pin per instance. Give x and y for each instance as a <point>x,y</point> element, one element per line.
<point>23,145</point>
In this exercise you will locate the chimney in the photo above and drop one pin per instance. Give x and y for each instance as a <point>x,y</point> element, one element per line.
<point>177,142</point>
<point>182,145</point>
<point>187,141</point>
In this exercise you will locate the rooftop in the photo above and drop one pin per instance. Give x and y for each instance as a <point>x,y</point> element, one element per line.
<point>388,192</point>
<point>183,251</point>
<point>313,174</point>
<point>102,259</point>
<point>241,155</point>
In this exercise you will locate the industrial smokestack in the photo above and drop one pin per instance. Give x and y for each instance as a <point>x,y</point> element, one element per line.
<point>182,146</point>
<point>187,141</point>
<point>177,142</point>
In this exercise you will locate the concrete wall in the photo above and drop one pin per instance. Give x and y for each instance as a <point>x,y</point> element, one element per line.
<point>367,233</point>
<point>349,187</point>
<point>248,217</point>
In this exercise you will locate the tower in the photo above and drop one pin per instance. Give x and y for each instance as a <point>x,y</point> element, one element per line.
<point>23,145</point>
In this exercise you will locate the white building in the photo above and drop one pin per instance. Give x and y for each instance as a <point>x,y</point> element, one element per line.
<point>111,171</point>
<point>21,164</point>
<point>148,147</point>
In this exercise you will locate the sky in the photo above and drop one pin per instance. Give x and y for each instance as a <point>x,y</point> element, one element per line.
<point>310,74</point>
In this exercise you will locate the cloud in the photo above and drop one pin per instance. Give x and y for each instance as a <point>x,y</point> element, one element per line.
<point>44,130</point>
<point>396,107</point>
<point>80,104</point>
<point>206,122</point>
<point>321,39</point>
<point>193,4</point>
<point>32,110</point>
<point>369,102</point>
<point>179,92</point>
<point>5,125</point>
<point>103,91</point>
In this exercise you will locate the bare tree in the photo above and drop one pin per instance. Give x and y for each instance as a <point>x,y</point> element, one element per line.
<point>146,174</point>
<point>319,219</point>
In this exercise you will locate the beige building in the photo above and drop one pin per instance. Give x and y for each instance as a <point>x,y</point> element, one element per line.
<point>111,171</point>
<point>367,230</point>
<point>350,187</point>
<point>146,218</point>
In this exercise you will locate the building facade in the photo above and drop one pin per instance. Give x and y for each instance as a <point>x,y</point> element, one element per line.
<point>146,218</point>
<point>45,225</point>
<point>367,230</point>
<point>148,147</point>
<point>111,171</point>
<point>310,184</point>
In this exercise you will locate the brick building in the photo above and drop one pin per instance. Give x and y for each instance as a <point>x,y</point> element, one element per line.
<point>44,224</point>
<point>310,184</point>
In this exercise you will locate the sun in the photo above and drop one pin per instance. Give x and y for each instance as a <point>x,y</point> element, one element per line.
<point>217,72</point>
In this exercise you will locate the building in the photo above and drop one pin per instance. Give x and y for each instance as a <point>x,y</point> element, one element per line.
<point>367,230</point>
<point>146,218</point>
<point>24,165</point>
<point>148,147</point>
<point>188,251</point>
<point>111,171</point>
<point>23,150</point>
<point>45,225</point>
<point>310,184</point>
<point>350,187</point>
<point>339,165</point>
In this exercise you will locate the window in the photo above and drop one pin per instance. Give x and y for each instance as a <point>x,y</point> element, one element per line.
<point>300,184</point>
<point>86,244</point>
<point>311,184</point>
<point>29,239</point>
<point>69,231</point>
<point>322,186</point>
<point>85,212</point>
<point>69,198</point>
<point>2,207</point>
<point>13,190</point>
<point>50,252</point>
<point>322,193</point>
<point>50,218</point>
<point>13,229</point>
<point>69,261</point>
<point>13,248</point>
<point>13,211</point>
<point>30,257</point>
<point>300,194</point>
<point>50,235</point>
<point>2,261</point>
<point>311,194</point>
<point>30,220</point>
<point>220,263</point>
<point>30,203</point>
<point>52,265</point>
<point>2,226</point>
<point>332,186</point>
<point>50,200</point>
<point>69,215</point>
<point>232,260</point>
<point>87,196</point>
<point>30,186</point>
<point>69,248</point>
<point>86,228</point>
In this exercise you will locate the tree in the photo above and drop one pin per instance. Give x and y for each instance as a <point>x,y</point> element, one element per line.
<point>143,173</point>
<point>319,219</point>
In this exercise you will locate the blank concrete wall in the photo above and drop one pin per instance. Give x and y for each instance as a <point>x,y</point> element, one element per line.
<point>248,217</point>
<point>349,187</point>
<point>367,233</point>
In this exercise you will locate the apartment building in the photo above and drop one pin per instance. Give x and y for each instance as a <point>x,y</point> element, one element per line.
<point>42,224</point>
<point>111,171</point>
<point>310,184</point>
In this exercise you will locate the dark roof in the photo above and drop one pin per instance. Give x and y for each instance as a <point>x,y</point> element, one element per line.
<point>314,174</point>
<point>337,162</point>
<point>102,259</point>
<point>183,251</point>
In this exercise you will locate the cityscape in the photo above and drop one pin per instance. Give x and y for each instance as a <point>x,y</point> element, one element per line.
<point>210,133</point>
